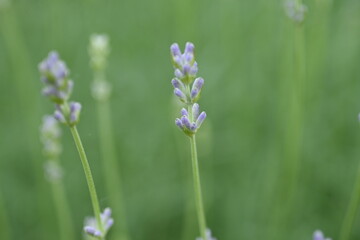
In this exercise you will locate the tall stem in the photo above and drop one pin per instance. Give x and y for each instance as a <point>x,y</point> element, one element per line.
<point>63,211</point>
<point>89,178</point>
<point>111,168</point>
<point>197,188</point>
<point>352,210</point>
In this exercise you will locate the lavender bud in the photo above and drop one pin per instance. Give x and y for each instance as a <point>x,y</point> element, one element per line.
<point>107,212</point>
<point>200,119</point>
<point>178,73</point>
<point>177,83</point>
<point>189,47</point>
<point>180,94</point>
<point>75,109</point>
<point>198,83</point>
<point>109,223</point>
<point>179,123</point>
<point>195,110</point>
<point>193,127</point>
<point>194,69</point>
<point>186,68</point>
<point>59,116</point>
<point>184,112</point>
<point>194,93</point>
<point>175,49</point>
<point>185,121</point>
<point>92,231</point>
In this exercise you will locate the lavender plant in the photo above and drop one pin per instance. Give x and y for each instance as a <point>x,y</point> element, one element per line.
<point>187,87</point>
<point>50,133</point>
<point>58,88</point>
<point>101,91</point>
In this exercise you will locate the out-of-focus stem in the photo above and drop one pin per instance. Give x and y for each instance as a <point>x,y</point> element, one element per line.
<point>110,166</point>
<point>62,209</point>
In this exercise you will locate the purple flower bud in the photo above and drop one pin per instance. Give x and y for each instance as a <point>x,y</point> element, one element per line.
<point>179,123</point>
<point>189,57</point>
<point>200,119</point>
<point>194,93</point>
<point>179,94</point>
<point>107,213</point>
<point>178,73</point>
<point>194,69</point>
<point>195,110</point>
<point>175,49</point>
<point>177,83</point>
<point>59,116</point>
<point>184,112</point>
<point>198,83</point>
<point>185,121</point>
<point>92,231</point>
<point>318,235</point>
<point>189,47</point>
<point>193,127</point>
<point>109,223</point>
<point>186,68</point>
<point>75,109</point>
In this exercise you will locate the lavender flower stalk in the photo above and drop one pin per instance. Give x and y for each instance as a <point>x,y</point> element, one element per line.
<point>318,235</point>
<point>58,88</point>
<point>188,88</point>
<point>101,91</point>
<point>50,137</point>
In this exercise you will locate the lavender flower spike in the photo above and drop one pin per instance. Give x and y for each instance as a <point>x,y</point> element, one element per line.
<point>318,235</point>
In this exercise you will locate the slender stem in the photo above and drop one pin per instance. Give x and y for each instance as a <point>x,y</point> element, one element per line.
<point>352,210</point>
<point>197,188</point>
<point>63,211</point>
<point>89,178</point>
<point>110,167</point>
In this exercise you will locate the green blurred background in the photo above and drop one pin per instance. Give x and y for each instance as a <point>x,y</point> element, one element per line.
<point>245,51</point>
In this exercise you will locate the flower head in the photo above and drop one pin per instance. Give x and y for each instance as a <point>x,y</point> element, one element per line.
<point>186,124</point>
<point>318,235</point>
<point>98,51</point>
<point>55,76</point>
<point>295,11</point>
<point>92,227</point>
<point>50,137</point>
<point>208,236</point>
<point>184,63</point>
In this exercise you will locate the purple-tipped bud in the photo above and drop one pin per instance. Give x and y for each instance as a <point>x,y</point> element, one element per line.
<point>193,127</point>
<point>109,223</point>
<point>179,94</point>
<point>179,123</point>
<point>184,112</point>
<point>177,83</point>
<point>318,235</point>
<point>175,49</point>
<point>194,69</point>
<point>178,73</point>
<point>59,116</point>
<point>198,83</point>
<point>189,47</point>
<point>186,68</point>
<point>107,212</point>
<point>194,93</point>
<point>195,110</point>
<point>92,231</point>
<point>75,109</point>
<point>200,119</point>
<point>185,121</point>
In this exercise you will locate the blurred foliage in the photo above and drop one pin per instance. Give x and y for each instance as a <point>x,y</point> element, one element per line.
<point>245,54</point>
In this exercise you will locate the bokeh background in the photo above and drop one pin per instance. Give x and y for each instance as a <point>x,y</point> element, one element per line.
<point>268,171</point>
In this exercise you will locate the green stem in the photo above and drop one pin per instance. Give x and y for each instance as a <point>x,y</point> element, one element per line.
<point>89,178</point>
<point>110,167</point>
<point>197,188</point>
<point>63,210</point>
<point>352,210</point>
